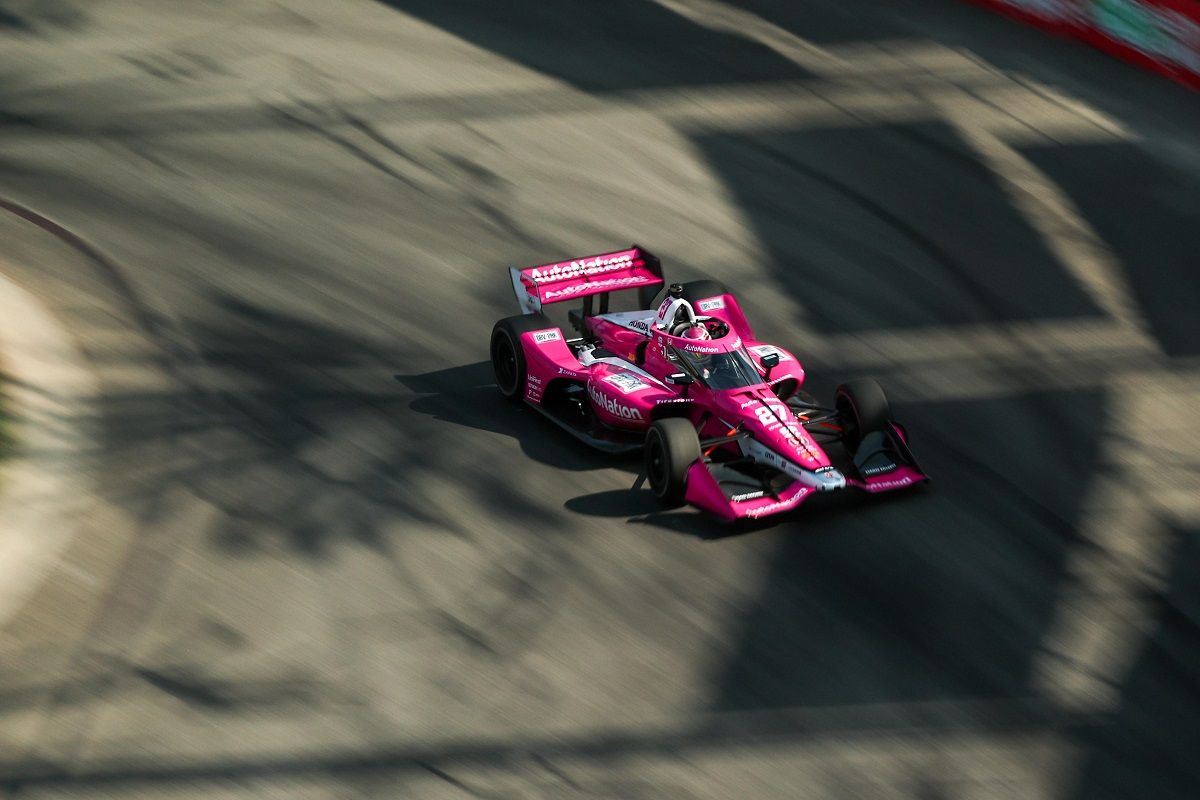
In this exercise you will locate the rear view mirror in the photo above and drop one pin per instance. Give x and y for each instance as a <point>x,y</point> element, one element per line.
<point>770,361</point>
<point>680,379</point>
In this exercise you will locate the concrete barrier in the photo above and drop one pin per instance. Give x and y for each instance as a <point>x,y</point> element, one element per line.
<point>1160,35</point>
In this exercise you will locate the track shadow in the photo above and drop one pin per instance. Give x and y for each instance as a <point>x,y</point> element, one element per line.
<point>926,595</point>
<point>617,45</point>
<point>467,395</point>
<point>1148,748</point>
<point>34,16</point>
<point>1154,230</point>
<point>309,442</point>
<point>891,227</point>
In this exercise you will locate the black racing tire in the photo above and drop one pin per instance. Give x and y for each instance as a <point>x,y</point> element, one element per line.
<point>672,446</point>
<point>508,357</point>
<point>862,408</point>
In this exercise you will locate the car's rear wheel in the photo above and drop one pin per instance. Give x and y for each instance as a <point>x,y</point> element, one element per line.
<point>508,357</point>
<point>672,446</point>
<point>862,408</point>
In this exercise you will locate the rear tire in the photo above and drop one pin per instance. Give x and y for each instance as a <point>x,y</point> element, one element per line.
<point>672,446</point>
<point>862,408</point>
<point>508,357</point>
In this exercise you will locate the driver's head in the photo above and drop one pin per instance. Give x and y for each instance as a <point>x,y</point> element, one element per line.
<point>697,331</point>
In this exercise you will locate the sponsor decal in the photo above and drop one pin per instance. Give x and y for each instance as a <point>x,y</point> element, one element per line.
<point>570,373</point>
<point>534,389</point>
<point>640,325</point>
<point>880,470</point>
<point>897,483</point>
<point>628,384</point>
<point>700,347</point>
<point>674,400</point>
<point>580,268</point>
<point>782,503</point>
<point>770,416</point>
<point>610,405</point>
<point>741,498</point>
<point>597,286</point>
<point>549,335</point>
<point>665,309</point>
<point>712,304</point>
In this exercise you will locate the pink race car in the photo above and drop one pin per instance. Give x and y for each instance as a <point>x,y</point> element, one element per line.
<point>719,414</point>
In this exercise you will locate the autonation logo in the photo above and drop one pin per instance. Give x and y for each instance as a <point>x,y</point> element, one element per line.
<point>611,405</point>
<point>580,268</point>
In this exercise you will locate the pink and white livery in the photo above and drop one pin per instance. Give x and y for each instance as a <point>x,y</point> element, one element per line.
<point>718,414</point>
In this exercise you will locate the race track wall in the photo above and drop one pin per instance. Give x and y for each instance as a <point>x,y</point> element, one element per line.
<point>1159,35</point>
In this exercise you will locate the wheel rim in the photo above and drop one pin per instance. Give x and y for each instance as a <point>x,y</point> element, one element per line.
<point>656,464</point>
<point>504,361</point>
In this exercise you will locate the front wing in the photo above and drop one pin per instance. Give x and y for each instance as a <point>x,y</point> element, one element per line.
<point>730,495</point>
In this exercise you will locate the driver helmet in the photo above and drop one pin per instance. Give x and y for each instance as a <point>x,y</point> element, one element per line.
<point>697,331</point>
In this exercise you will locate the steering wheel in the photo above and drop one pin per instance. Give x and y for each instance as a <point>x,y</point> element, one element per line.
<point>717,328</point>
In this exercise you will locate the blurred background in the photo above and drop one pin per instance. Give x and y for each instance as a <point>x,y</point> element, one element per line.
<point>284,540</point>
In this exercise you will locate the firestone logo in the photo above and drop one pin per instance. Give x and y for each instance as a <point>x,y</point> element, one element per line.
<point>612,406</point>
<point>897,483</point>
<point>580,268</point>
<point>785,502</point>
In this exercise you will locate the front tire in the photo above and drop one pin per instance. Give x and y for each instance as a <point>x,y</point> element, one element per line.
<point>672,446</point>
<point>862,408</point>
<point>508,357</point>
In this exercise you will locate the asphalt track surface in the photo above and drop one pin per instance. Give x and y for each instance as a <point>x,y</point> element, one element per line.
<point>322,559</point>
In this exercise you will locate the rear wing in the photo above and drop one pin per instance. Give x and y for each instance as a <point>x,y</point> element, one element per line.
<point>634,268</point>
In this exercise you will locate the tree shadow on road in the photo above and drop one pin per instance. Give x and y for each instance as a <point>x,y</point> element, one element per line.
<point>467,396</point>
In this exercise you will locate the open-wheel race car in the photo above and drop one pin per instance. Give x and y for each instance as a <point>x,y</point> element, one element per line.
<point>720,415</point>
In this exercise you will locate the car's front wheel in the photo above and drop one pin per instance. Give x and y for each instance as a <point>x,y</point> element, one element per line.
<point>672,446</point>
<point>862,408</point>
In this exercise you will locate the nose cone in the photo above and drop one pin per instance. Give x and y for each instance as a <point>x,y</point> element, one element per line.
<point>773,424</point>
